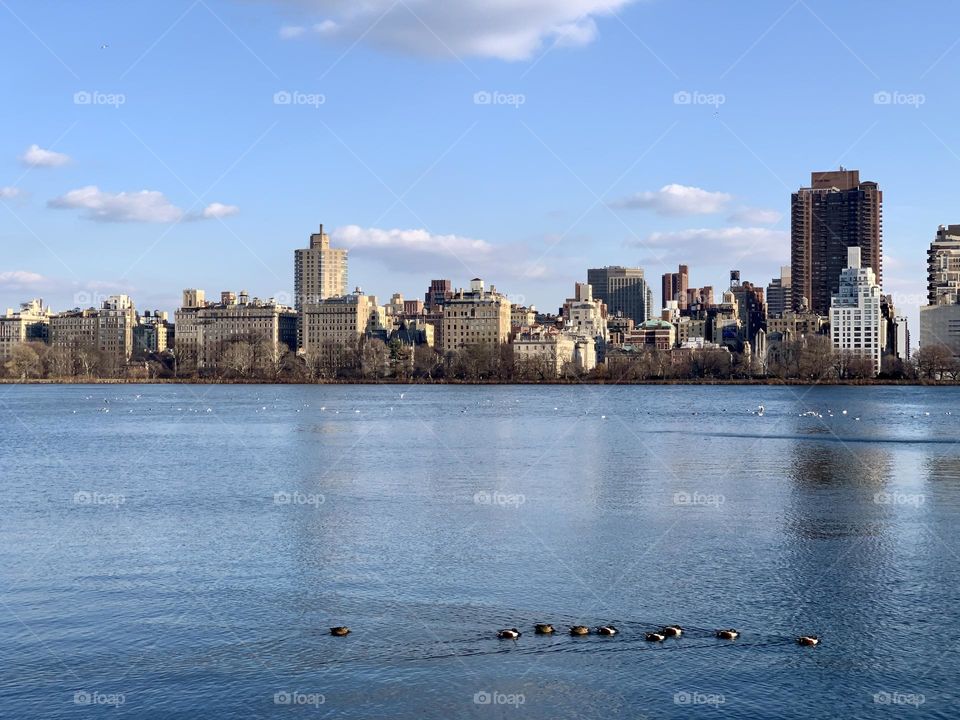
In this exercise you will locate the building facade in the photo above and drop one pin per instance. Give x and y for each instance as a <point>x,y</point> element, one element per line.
<point>320,272</point>
<point>675,286</point>
<point>477,317</point>
<point>108,329</point>
<point>336,325</point>
<point>31,323</point>
<point>836,212</point>
<point>856,318</point>
<point>780,294</point>
<point>623,290</point>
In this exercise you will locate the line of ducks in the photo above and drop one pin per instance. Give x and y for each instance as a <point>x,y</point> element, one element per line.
<point>668,631</point>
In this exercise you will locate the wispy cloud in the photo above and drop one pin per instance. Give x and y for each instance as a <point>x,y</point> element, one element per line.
<point>144,206</point>
<point>10,193</point>
<point>676,199</point>
<point>36,156</point>
<point>21,280</point>
<point>755,216</point>
<point>702,242</point>
<point>513,30</point>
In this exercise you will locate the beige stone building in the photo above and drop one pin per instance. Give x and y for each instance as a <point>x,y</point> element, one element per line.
<point>204,330</point>
<point>320,272</point>
<point>554,351</point>
<point>476,317</point>
<point>31,323</point>
<point>336,324</point>
<point>108,329</point>
<point>794,326</point>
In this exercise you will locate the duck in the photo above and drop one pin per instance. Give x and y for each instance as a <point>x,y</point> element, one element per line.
<point>672,631</point>
<point>579,630</point>
<point>655,637</point>
<point>509,634</point>
<point>543,629</point>
<point>340,631</point>
<point>608,630</point>
<point>808,640</point>
<point>730,634</point>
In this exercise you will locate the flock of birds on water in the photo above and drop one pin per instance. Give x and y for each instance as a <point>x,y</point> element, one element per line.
<point>655,636</point>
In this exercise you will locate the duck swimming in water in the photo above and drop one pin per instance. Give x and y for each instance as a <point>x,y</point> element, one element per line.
<point>672,631</point>
<point>808,640</point>
<point>607,630</point>
<point>579,630</point>
<point>340,631</point>
<point>543,629</point>
<point>655,637</point>
<point>509,634</point>
<point>728,634</point>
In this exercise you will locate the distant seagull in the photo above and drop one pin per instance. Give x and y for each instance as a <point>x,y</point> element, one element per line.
<point>104,46</point>
<point>401,395</point>
<point>760,411</point>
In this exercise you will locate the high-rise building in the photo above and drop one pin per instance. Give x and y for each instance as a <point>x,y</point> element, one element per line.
<point>836,212</point>
<point>940,318</point>
<point>320,272</point>
<point>779,294</point>
<point>751,308</point>
<point>440,291</point>
<point>623,290</point>
<point>856,316</point>
<point>675,287</point>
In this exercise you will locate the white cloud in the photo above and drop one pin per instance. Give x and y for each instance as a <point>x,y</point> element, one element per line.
<point>503,29</point>
<point>9,193</point>
<point>219,210</point>
<point>146,206</point>
<point>676,199</point>
<point>755,216</point>
<point>407,243</point>
<point>758,242</point>
<point>21,280</point>
<point>36,156</point>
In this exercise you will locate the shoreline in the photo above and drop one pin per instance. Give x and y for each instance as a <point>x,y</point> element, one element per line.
<point>753,382</point>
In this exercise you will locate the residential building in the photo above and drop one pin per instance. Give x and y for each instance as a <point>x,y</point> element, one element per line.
<point>675,286</point>
<point>31,323</point>
<point>440,291</point>
<point>856,318</point>
<point>320,272</point>
<point>751,308</point>
<point>553,351</point>
<point>522,316</point>
<point>835,213</point>
<point>108,329</point>
<point>656,334</point>
<point>623,290</point>
<point>795,326</point>
<point>151,333</point>
<point>476,317</point>
<point>780,294</point>
<point>940,318</point>
<point>586,316</point>
<point>205,332</point>
<point>335,325</point>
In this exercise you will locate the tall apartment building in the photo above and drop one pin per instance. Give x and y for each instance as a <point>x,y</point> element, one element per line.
<point>856,317</point>
<point>623,290</point>
<point>108,329</point>
<point>204,330</point>
<point>477,317</point>
<point>319,272</point>
<point>440,291</point>
<point>675,286</point>
<point>780,294</point>
<point>836,212</point>
<point>751,307</point>
<point>940,317</point>
<point>31,323</point>
<point>336,324</point>
<point>151,333</point>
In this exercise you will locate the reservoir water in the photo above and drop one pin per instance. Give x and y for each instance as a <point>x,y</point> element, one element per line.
<point>182,551</point>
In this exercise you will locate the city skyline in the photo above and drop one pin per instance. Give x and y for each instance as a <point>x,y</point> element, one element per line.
<point>479,175</point>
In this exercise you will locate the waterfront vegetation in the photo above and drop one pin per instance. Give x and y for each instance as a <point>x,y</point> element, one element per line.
<point>371,360</point>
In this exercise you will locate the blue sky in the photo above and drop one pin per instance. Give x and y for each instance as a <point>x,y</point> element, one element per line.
<point>519,140</point>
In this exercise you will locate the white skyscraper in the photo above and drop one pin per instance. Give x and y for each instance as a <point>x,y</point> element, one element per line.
<point>856,320</point>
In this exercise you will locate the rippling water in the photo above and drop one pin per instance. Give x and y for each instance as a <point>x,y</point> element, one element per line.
<point>180,552</point>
